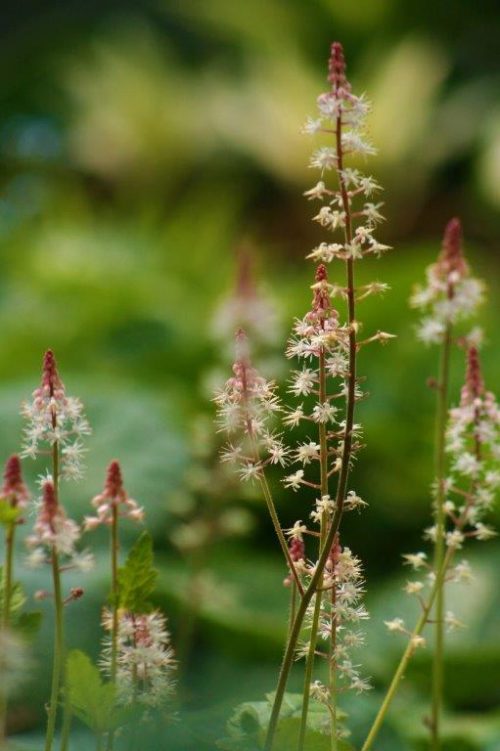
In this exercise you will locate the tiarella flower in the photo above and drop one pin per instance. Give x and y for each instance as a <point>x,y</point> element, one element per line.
<point>53,529</point>
<point>113,497</point>
<point>55,420</point>
<point>246,409</point>
<point>145,660</point>
<point>451,294</point>
<point>14,491</point>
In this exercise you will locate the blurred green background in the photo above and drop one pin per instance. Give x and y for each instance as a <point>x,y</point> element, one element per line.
<point>148,150</point>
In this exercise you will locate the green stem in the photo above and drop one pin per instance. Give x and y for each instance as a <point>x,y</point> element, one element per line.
<point>58,658</point>
<point>332,669</point>
<point>439,549</point>
<point>7,595</point>
<point>57,665</point>
<point>277,528</point>
<point>324,526</point>
<point>407,654</point>
<point>114,595</point>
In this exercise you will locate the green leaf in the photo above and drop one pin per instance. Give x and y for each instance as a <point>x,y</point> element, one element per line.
<point>17,596</point>
<point>137,578</point>
<point>91,699</point>
<point>247,727</point>
<point>8,514</point>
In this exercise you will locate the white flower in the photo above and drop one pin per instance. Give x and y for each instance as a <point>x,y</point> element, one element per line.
<point>413,588</point>
<point>467,464</point>
<point>354,143</point>
<point>396,625</point>
<point>325,412</point>
<point>417,641</point>
<point>312,126</point>
<point>304,382</point>
<point>249,471</point>
<point>483,532</point>
<point>455,539</point>
<point>431,331</point>
<point>294,480</point>
<point>324,158</point>
<point>416,560</point>
<point>306,452</point>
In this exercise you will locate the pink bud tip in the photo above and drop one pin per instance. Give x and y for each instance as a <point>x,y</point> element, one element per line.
<point>336,66</point>
<point>321,273</point>
<point>77,592</point>
<point>451,258</point>
<point>114,481</point>
<point>474,384</point>
<point>50,376</point>
<point>297,550</point>
<point>49,501</point>
<point>12,479</point>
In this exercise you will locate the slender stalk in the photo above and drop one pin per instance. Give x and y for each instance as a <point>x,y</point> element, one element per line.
<point>277,528</point>
<point>114,597</point>
<point>344,470</point>
<point>58,659</point>
<point>439,549</point>
<point>407,654</point>
<point>293,605</point>
<point>114,589</point>
<point>332,669</point>
<point>7,595</point>
<point>324,525</point>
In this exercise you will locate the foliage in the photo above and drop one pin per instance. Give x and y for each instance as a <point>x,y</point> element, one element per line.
<point>137,578</point>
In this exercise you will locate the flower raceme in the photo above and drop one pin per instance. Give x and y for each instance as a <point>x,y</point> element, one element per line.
<point>145,658</point>
<point>451,294</point>
<point>112,496</point>
<point>53,529</point>
<point>473,449</point>
<point>327,388</point>
<point>246,408</point>
<point>55,419</point>
<point>14,491</point>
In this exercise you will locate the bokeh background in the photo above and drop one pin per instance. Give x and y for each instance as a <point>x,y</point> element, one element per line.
<point>150,197</point>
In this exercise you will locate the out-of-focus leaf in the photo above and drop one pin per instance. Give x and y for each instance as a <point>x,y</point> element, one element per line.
<point>92,700</point>
<point>137,578</point>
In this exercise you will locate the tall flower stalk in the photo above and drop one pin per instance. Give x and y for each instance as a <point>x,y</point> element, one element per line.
<point>56,425</point>
<point>112,504</point>
<point>15,496</point>
<point>328,378</point>
<point>472,444</point>
<point>334,347</point>
<point>450,295</point>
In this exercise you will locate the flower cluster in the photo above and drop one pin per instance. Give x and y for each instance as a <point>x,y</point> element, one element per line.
<point>53,529</point>
<point>113,497</point>
<point>451,294</point>
<point>341,612</point>
<point>472,445</point>
<point>246,408</point>
<point>145,659</point>
<point>55,420</point>
<point>14,491</point>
